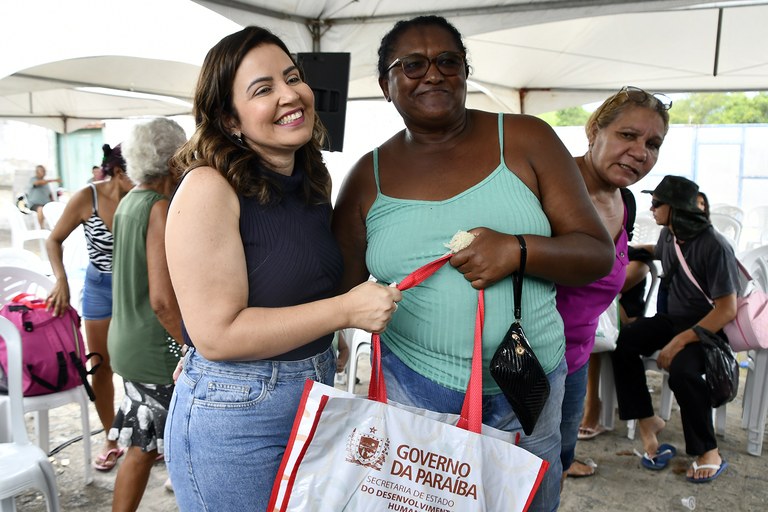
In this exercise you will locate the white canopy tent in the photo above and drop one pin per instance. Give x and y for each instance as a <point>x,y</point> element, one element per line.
<point>540,55</point>
<point>67,64</point>
<point>527,55</point>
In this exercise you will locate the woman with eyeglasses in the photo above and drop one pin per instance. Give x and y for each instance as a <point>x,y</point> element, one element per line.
<point>495,175</point>
<point>625,134</point>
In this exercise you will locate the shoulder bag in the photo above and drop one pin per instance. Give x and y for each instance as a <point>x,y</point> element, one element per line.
<point>514,365</point>
<point>749,329</point>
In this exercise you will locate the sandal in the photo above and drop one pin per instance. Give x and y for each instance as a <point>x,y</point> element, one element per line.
<point>590,433</point>
<point>108,460</point>
<point>591,464</point>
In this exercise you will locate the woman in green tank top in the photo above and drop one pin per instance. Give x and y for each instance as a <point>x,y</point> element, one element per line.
<point>496,176</point>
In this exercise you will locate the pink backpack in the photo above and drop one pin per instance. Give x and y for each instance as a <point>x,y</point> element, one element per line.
<point>53,351</point>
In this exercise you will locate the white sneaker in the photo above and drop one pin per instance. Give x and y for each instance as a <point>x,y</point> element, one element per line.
<point>168,485</point>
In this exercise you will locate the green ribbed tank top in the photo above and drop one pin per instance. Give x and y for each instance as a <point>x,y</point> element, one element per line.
<point>432,330</point>
<point>139,347</point>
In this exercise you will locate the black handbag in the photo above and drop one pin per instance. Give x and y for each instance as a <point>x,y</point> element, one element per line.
<point>720,367</point>
<point>515,367</point>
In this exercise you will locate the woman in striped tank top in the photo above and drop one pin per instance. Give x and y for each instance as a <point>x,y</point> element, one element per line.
<point>94,207</point>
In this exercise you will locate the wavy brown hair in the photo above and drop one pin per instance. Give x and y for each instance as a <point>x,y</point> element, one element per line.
<point>212,145</point>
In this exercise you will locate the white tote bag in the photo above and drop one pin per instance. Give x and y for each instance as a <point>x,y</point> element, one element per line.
<point>350,453</point>
<point>607,329</point>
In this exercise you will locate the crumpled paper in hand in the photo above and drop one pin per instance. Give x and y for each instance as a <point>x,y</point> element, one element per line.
<point>459,241</point>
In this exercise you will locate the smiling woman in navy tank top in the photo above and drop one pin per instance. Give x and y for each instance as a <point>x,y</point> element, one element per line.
<point>255,269</point>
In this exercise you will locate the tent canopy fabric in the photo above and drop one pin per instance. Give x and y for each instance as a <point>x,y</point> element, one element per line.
<point>540,55</point>
<point>143,57</point>
<point>527,56</point>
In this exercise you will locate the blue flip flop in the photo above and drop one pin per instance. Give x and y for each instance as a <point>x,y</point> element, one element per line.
<point>720,468</point>
<point>664,454</point>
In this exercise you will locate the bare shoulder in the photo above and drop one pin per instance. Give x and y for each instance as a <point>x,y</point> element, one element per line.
<point>204,185</point>
<point>517,122</point>
<point>81,202</point>
<point>359,187</point>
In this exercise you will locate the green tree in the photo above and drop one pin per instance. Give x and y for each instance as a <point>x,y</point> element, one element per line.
<point>720,108</point>
<point>574,116</point>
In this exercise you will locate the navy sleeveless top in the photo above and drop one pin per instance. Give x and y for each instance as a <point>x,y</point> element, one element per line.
<point>291,255</point>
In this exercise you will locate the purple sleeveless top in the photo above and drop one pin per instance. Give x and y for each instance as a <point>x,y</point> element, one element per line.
<point>581,306</point>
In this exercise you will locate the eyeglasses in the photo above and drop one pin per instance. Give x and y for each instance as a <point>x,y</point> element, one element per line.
<point>655,203</point>
<point>416,65</point>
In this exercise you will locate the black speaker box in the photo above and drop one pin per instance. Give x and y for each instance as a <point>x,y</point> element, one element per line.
<point>328,76</point>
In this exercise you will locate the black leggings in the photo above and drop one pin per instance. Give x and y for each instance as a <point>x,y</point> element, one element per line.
<point>644,337</point>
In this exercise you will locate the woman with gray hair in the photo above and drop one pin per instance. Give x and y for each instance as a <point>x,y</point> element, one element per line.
<point>146,321</point>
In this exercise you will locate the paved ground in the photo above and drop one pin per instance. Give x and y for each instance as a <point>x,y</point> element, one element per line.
<point>621,483</point>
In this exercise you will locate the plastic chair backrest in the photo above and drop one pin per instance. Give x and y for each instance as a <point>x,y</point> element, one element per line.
<point>650,301</point>
<point>646,230</point>
<point>727,209</point>
<point>16,280</point>
<point>12,338</point>
<point>728,226</point>
<point>52,212</point>
<point>14,257</point>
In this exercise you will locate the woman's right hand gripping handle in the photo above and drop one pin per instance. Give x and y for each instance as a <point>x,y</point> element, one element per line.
<point>58,299</point>
<point>370,305</point>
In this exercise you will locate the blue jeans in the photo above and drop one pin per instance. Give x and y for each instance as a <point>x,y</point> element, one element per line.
<point>410,388</point>
<point>97,294</point>
<point>228,426</point>
<point>573,410</point>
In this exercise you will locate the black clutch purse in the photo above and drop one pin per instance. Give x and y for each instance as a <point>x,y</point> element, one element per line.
<point>515,367</point>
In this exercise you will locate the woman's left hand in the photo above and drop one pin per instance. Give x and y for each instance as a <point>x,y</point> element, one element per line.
<point>490,257</point>
<point>671,350</point>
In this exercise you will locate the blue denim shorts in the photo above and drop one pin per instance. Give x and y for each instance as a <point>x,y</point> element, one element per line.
<point>228,426</point>
<point>407,387</point>
<point>97,294</point>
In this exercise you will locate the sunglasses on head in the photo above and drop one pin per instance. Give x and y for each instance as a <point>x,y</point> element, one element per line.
<point>655,203</point>
<point>416,65</point>
<point>661,102</point>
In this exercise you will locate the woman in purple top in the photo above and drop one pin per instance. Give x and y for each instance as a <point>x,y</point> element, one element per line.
<point>625,134</point>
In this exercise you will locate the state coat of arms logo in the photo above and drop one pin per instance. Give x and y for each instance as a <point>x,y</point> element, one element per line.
<point>367,449</point>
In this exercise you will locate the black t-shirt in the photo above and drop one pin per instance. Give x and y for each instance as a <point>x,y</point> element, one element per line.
<point>712,262</point>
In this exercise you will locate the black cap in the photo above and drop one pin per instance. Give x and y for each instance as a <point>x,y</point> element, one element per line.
<point>677,192</point>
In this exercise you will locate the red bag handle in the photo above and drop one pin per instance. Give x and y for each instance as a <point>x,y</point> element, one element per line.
<point>35,302</point>
<point>472,410</point>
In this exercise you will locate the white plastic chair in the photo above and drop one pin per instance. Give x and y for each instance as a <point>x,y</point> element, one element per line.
<point>14,257</point>
<point>646,231</point>
<point>728,209</point>
<point>15,280</point>
<point>728,226</point>
<point>52,212</point>
<point>756,227</point>
<point>23,465</point>
<point>755,398</point>
<point>21,232</point>
<point>607,385</point>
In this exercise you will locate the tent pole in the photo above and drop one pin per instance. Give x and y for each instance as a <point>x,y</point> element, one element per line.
<point>717,40</point>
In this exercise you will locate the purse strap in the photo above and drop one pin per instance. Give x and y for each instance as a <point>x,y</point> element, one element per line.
<point>687,270</point>
<point>517,278</point>
<point>472,410</point>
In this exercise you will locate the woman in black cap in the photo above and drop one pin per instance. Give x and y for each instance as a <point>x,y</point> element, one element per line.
<point>713,264</point>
